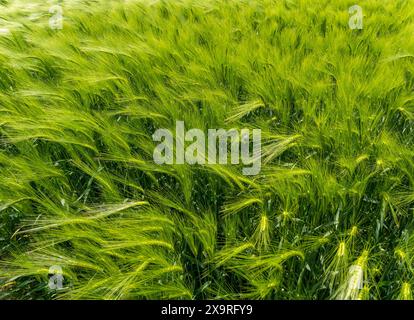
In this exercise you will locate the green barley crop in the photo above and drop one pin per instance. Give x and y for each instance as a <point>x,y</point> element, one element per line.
<point>330,215</point>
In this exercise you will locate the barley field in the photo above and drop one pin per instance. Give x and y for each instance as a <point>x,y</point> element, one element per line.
<point>86,213</point>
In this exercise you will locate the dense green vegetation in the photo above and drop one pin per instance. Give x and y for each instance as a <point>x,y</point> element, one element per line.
<point>79,188</point>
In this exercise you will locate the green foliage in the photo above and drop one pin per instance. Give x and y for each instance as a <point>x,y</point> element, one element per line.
<point>79,189</point>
